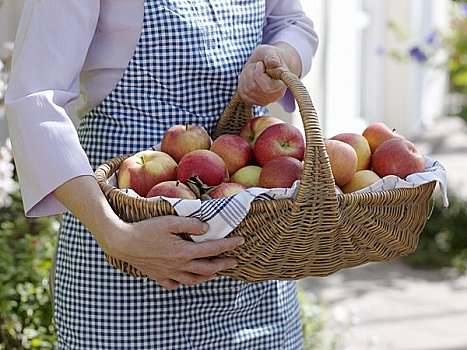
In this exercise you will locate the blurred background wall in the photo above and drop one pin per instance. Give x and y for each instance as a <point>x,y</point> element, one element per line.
<point>352,83</point>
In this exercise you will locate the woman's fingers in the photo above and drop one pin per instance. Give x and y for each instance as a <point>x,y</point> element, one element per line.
<point>214,247</point>
<point>199,271</point>
<point>210,267</point>
<point>257,87</point>
<point>176,225</point>
<point>195,272</point>
<point>154,247</point>
<point>169,284</point>
<point>191,279</point>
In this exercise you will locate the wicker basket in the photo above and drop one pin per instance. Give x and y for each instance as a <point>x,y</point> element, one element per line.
<point>315,234</point>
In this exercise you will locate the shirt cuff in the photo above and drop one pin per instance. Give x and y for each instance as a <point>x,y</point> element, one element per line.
<point>300,43</point>
<point>287,102</point>
<point>46,149</point>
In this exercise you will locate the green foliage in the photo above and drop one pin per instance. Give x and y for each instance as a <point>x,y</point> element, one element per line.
<point>26,252</point>
<point>443,242</point>
<point>321,329</point>
<point>456,45</point>
<point>313,320</point>
<point>444,49</point>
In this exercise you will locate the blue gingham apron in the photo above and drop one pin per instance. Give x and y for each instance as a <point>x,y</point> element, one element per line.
<point>184,69</point>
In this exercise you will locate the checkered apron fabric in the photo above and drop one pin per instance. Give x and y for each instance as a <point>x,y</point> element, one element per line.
<point>184,69</point>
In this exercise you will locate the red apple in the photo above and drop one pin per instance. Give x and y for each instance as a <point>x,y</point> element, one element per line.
<point>343,160</point>
<point>376,133</point>
<point>361,147</point>
<point>208,166</point>
<point>254,127</point>
<point>145,169</point>
<point>360,180</point>
<point>280,172</point>
<point>279,140</point>
<point>397,157</point>
<point>226,189</point>
<point>234,150</point>
<point>247,176</point>
<point>171,189</point>
<point>182,139</point>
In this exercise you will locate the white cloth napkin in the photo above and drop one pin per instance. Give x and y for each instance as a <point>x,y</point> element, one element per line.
<point>434,171</point>
<point>224,214</point>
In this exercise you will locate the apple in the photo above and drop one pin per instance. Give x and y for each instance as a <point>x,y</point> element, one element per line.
<point>397,157</point>
<point>207,165</point>
<point>171,189</point>
<point>179,140</point>
<point>226,189</point>
<point>234,150</point>
<point>144,169</point>
<point>280,172</point>
<point>343,161</point>
<point>254,127</point>
<point>361,147</point>
<point>279,140</point>
<point>376,133</point>
<point>360,180</point>
<point>247,176</point>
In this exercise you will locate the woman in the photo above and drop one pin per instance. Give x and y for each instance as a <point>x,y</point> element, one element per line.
<point>130,69</point>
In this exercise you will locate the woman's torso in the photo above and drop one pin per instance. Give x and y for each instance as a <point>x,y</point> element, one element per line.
<point>184,69</point>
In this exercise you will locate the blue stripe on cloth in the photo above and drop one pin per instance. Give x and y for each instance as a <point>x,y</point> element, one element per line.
<point>234,213</point>
<point>213,207</point>
<point>176,203</point>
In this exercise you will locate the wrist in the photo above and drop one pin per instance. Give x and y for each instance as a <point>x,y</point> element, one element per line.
<point>110,232</point>
<point>83,197</point>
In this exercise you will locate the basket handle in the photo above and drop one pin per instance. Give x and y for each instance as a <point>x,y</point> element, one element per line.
<point>316,157</point>
<point>227,124</point>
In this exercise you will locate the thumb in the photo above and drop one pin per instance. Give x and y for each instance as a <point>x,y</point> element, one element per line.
<point>191,226</point>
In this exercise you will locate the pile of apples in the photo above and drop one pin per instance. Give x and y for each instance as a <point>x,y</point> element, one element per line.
<point>266,153</point>
<point>359,160</point>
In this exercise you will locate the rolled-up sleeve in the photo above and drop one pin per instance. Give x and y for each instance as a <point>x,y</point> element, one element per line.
<point>51,45</point>
<point>286,21</point>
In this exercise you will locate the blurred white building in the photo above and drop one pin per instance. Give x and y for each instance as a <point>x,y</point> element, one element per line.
<point>350,84</point>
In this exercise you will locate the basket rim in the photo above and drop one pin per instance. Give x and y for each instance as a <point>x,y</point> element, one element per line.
<point>105,170</point>
<point>109,167</point>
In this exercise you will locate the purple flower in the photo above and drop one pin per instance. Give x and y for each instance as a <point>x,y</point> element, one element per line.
<point>417,53</point>
<point>380,51</point>
<point>464,9</point>
<point>432,39</point>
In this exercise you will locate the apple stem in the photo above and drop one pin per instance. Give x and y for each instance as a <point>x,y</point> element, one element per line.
<point>186,126</point>
<point>394,130</point>
<point>177,183</point>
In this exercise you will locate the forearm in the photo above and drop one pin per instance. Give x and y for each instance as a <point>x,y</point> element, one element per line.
<point>290,56</point>
<point>153,246</point>
<point>83,197</point>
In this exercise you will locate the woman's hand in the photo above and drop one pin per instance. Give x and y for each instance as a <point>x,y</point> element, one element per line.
<point>255,86</point>
<point>154,247</point>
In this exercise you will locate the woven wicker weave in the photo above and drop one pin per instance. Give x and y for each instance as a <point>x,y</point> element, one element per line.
<point>315,234</point>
